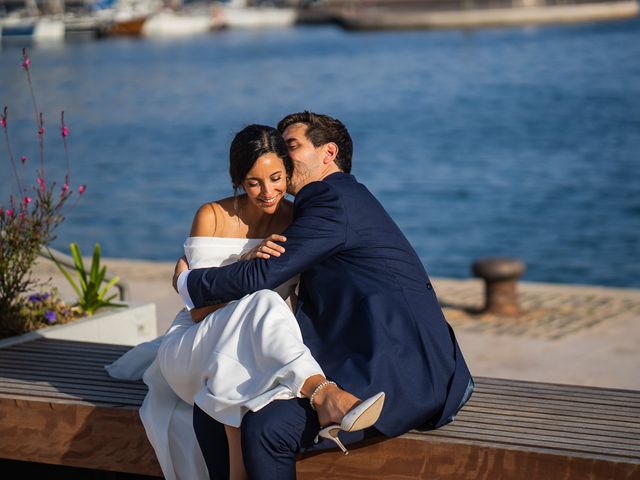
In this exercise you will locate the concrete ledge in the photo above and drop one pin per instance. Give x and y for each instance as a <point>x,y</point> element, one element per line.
<point>119,326</point>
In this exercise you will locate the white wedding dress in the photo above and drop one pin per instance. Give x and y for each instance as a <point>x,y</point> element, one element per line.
<point>239,358</point>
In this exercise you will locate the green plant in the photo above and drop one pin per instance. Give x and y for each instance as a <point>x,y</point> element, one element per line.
<point>91,293</point>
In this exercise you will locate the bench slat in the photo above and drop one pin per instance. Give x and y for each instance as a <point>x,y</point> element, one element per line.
<point>66,346</point>
<point>559,401</point>
<point>492,381</point>
<point>47,359</point>
<point>599,394</point>
<point>86,378</point>
<point>599,400</point>
<point>72,393</point>
<point>535,412</point>
<point>555,424</point>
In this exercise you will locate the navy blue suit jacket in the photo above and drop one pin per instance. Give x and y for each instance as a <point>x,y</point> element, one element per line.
<point>366,308</point>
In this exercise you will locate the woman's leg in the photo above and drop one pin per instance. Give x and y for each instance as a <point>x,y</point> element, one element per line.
<point>236,463</point>
<point>220,445</point>
<point>213,444</point>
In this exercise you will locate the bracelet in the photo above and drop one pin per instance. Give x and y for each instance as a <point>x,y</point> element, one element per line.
<point>318,388</point>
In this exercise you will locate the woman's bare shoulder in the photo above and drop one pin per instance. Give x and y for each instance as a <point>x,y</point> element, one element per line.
<point>227,205</point>
<point>210,218</point>
<point>204,221</point>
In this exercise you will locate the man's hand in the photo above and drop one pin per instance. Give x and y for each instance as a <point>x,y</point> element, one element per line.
<point>181,266</point>
<point>266,248</point>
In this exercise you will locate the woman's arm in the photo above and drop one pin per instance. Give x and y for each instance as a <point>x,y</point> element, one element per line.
<point>199,314</point>
<point>204,225</point>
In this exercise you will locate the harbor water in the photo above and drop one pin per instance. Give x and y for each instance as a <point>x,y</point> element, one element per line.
<point>517,141</point>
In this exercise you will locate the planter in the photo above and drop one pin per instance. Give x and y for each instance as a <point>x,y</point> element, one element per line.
<point>120,326</point>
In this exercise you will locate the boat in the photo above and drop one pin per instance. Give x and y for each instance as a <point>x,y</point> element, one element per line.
<point>257,17</point>
<point>16,28</point>
<point>89,26</point>
<point>126,27</point>
<point>527,12</point>
<point>241,14</point>
<point>169,23</point>
<point>125,17</point>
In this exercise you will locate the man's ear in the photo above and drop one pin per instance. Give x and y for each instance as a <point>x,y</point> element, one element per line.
<point>330,152</point>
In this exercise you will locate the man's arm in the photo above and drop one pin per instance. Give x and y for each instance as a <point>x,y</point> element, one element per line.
<point>318,230</point>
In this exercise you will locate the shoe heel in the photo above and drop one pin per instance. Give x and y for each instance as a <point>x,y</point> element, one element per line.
<point>331,433</point>
<point>342,447</point>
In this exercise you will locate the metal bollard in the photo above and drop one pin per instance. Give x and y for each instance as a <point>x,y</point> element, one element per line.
<point>500,275</point>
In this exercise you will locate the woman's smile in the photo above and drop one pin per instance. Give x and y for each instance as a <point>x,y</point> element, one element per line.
<point>269,202</point>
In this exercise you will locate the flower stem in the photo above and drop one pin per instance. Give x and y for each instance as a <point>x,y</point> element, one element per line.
<point>13,162</point>
<point>39,123</point>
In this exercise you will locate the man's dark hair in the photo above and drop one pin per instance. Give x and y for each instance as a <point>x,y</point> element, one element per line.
<point>322,129</point>
<point>251,143</point>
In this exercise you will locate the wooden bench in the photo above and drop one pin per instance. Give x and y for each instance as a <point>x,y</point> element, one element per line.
<point>58,406</point>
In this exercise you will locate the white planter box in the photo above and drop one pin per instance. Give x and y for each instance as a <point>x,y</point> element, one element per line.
<point>121,326</point>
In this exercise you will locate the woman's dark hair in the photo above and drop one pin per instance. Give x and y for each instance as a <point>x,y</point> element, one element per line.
<point>251,143</point>
<point>322,129</point>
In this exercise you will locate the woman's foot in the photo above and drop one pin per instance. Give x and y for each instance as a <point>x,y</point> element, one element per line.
<point>332,404</point>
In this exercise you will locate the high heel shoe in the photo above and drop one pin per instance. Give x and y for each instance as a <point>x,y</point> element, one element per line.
<point>359,417</point>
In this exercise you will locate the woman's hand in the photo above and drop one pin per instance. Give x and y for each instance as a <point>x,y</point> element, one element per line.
<point>266,248</point>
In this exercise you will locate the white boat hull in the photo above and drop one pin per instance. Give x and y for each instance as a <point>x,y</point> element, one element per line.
<point>258,17</point>
<point>173,25</point>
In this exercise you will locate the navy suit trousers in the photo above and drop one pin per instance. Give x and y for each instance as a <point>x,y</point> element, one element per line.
<point>271,438</point>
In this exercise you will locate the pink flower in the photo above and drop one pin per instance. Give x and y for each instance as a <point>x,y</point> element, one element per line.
<point>41,183</point>
<point>26,61</point>
<point>23,159</point>
<point>3,118</point>
<point>27,200</point>
<point>65,187</point>
<point>41,130</point>
<point>81,189</point>
<point>65,131</point>
<point>10,213</point>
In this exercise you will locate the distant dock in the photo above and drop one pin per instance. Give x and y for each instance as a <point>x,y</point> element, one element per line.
<point>407,14</point>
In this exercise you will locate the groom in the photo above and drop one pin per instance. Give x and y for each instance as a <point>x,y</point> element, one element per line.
<point>366,308</point>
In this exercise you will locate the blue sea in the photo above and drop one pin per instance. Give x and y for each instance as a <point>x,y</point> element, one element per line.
<point>517,141</point>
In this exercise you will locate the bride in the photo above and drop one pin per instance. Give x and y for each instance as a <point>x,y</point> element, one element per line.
<point>232,358</point>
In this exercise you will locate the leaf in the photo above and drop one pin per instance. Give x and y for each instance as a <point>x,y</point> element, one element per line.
<point>95,263</point>
<point>111,283</point>
<point>97,281</point>
<point>77,259</point>
<point>65,273</point>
